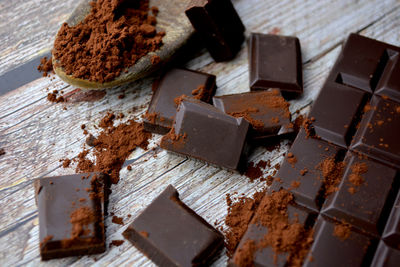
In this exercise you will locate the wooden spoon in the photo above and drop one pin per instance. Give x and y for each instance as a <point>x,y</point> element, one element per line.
<point>171,19</point>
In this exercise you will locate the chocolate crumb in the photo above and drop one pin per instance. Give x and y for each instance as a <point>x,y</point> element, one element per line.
<point>117,220</point>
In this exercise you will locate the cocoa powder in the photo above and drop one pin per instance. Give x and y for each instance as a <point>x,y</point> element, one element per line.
<point>111,38</point>
<point>112,147</point>
<point>355,178</point>
<point>239,215</point>
<point>46,66</point>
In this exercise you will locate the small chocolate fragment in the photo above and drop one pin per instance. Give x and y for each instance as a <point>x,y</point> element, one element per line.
<point>310,154</point>
<point>336,112</point>
<point>375,136</point>
<point>171,234</point>
<point>275,62</point>
<point>329,249</point>
<point>266,111</point>
<point>71,214</point>
<point>363,203</point>
<point>204,132</point>
<point>219,26</point>
<point>172,85</point>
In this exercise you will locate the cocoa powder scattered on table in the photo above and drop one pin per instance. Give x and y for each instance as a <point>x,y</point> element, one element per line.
<point>239,215</point>
<point>112,147</point>
<point>112,37</point>
<point>46,66</point>
<point>283,236</point>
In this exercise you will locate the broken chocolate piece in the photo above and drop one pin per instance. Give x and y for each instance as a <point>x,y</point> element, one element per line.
<point>171,234</point>
<point>71,214</point>
<point>219,26</point>
<point>266,111</point>
<point>174,84</point>
<point>204,132</point>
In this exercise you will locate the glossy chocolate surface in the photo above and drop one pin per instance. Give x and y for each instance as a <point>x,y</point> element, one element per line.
<point>57,198</point>
<point>219,26</point>
<point>266,111</point>
<point>204,132</point>
<point>171,234</point>
<point>275,62</point>
<point>173,84</point>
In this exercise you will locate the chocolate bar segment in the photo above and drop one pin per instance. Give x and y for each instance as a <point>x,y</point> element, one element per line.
<point>275,62</point>
<point>391,235</point>
<point>389,84</point>
<point>171,234</point>
<point>306,167</point>
<point>375,136</point>
<point>204,132</point>
<point>386,256</point>
<point>167,91</point>
<point>338,245</point>
<point>336,112</point>
<point>362,62</point>
<point>218,25</point>
<point>71,215</point>
<point>363,181</point>
<point>266,111</point>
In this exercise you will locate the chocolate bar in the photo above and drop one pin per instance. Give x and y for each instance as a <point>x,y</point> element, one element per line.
<point>344,166</point>
<point>266,111</point>
<point>219,26</point>
<point>168,90</point>
<point>204,132</point>
<point>71,214</point>
<point>275,62</point>
<point>171,234</point>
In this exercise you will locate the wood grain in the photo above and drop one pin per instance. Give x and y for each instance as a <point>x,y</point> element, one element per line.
<point>36,133</point>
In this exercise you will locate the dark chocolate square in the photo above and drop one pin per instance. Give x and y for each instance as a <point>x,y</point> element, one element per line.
<point>391,235</point>
<point>377,135</point>
<point>304,176</point>
<point>389,83</point>
<point>71,215</point>
<point>172,85</point>
<point>353,200</point>
<point>328,249</point>
<point>275,62</point>
<point>386,256</point>
<point>171,234</point>
<point>204,132</point>
<point>336,112</point>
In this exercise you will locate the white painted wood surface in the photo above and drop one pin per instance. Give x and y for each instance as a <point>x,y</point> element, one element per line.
<point>36,133</point>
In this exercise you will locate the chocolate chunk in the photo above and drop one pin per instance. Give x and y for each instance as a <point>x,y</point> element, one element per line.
<point>362,62</point>
<point>391,235</point>
<point>275,62</point>
<point>333,124</point>
<point>266,111</point>
<point>174,84</point>
<point>71,214</point>
<point>171,234</point>
<point>310,154</point>
<point>386,256</point>
<point>375,135</point>
<point>331,249</point>
<point>219,26</point>
<point>365,194</point>
<point>204,132</point>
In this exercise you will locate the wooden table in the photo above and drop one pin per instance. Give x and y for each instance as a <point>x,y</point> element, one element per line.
<point>36,134</point>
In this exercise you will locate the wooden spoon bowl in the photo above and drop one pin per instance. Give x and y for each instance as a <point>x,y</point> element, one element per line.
<point>171,19</point>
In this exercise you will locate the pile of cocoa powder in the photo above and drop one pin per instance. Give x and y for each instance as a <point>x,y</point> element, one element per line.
<point>111,38</point>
